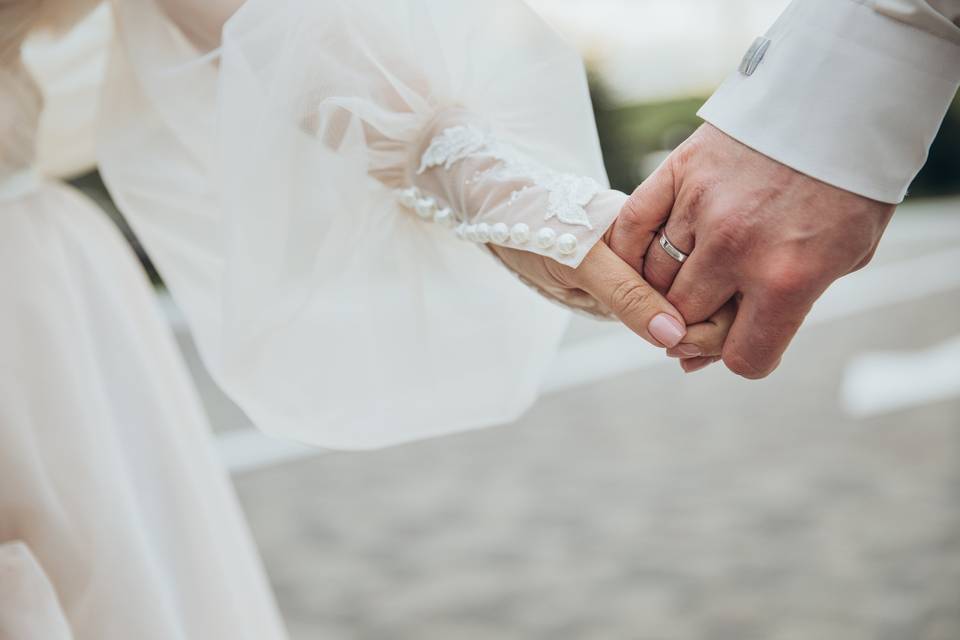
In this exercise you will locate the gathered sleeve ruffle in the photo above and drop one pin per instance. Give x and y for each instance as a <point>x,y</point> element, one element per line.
<point>314,194</point>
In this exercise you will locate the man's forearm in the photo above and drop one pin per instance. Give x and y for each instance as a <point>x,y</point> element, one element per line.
<point>849,92</point>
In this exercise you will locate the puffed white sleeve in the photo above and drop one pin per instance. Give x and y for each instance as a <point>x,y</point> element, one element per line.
<point>317,193</point>
<point>851,92</point>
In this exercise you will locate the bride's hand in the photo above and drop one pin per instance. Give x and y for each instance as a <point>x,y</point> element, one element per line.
<point>463,167</point>
<point>605,285</point>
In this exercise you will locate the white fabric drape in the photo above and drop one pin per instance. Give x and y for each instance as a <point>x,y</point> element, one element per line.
<point>69,69</point>
<point>261,181</point>
<point>30,610</point>
<point>323,310</point>
<point>107,470</point>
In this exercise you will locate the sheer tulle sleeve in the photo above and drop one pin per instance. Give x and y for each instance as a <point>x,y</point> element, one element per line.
<point>314,194</point>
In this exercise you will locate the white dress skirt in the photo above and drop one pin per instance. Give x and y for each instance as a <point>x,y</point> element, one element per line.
<point>117,518</point>
<point>313,192</point>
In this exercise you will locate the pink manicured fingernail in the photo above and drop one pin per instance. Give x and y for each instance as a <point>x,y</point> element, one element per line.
<point>689,350</point>
<point>667,330</point>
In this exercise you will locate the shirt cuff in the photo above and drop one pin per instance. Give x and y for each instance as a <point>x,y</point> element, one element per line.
<point>842,94</point>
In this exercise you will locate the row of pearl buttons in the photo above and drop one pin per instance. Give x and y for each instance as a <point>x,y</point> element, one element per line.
<point>426,208</point>
<point>520,234</point>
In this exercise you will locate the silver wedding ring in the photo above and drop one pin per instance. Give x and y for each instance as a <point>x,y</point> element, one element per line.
<point>671,250</point>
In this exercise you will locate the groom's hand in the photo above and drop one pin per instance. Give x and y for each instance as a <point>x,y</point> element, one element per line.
<point>754,229</point>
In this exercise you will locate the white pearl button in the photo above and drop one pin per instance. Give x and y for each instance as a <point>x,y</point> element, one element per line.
<point>520,233</point>
<point>483,232</point>
<point>472,233</point>
<point>500,233</point>
<point>425,208</point>
<point>443,216</point>
<point>409,197</point>
<point>546,238</point>
<point>567,244</point>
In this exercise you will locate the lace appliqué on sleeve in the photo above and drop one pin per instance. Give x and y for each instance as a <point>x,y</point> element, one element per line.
<point>568,194</point>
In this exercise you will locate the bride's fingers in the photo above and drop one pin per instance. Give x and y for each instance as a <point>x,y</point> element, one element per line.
<point>628,296</point>
<point>612,283</point>
<point>706,339</point>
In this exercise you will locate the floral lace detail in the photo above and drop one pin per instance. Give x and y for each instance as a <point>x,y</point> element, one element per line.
<point>568,194</point>
<point>453,145</point>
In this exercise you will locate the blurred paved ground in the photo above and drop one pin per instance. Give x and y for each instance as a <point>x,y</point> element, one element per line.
<point>649,505</point>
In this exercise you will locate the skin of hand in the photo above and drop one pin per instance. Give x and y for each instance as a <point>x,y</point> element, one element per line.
<point>758,233</point>
<point>604,284</point>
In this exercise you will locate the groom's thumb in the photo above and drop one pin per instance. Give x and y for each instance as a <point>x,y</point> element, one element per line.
<point>638,305</point>
<point>645,211</point>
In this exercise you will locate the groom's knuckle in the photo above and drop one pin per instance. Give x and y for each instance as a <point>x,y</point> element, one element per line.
<point>787,281</point>
<point>629,297</point>
<point>730,235</point>
<point>685,298</point>
<point>632,213</point>
<point>782,287</point>
<point>696,198</point>
<point>687,153</point>
<point>744,366</point>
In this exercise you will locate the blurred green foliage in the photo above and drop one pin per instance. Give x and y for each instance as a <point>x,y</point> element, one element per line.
<point>630,133</point>
<point>941,174</point>
<point>621,152</point>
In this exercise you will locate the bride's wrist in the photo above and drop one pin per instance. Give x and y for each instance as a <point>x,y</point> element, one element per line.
<point>462,175</point>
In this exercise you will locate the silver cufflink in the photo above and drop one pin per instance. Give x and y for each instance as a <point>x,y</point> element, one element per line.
<point>754,56</point>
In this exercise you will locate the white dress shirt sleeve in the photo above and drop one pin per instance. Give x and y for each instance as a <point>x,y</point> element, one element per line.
<point>851,92</point>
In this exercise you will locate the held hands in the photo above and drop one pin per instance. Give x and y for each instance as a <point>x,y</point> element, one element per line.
<point>758,234</point>
<point>764,242</point>
<point>493,182</point>
<point>604,284</point>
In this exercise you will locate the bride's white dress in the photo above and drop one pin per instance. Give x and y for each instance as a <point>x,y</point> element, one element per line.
<point>316,194</point>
